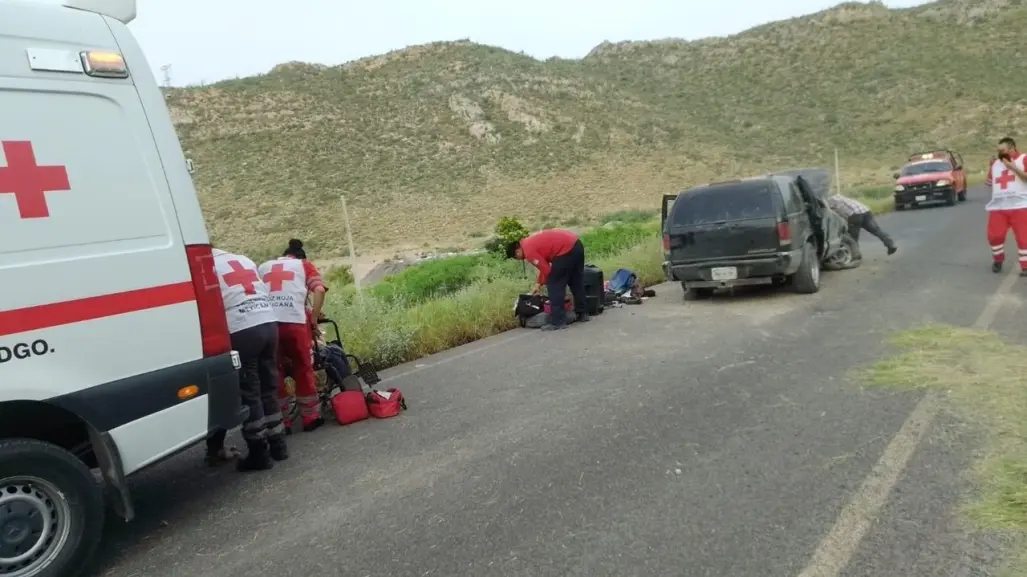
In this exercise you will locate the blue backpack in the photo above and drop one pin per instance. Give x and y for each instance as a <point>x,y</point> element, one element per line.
<point>622,281</point>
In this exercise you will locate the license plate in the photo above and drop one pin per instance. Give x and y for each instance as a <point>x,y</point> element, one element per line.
<point>724,273</point>
<point>921,197</point>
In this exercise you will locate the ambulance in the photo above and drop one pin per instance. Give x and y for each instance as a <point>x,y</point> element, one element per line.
<point>114,346</point>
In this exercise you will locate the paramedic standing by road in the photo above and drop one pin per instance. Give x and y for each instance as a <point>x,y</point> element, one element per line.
<point>254,333</point>
<point>290,279</point>
<point>1008,206</point>
<point>860,217</point>
<point>559,257</point>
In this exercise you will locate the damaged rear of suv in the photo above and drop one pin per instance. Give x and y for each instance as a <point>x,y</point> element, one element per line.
<point>755,231</point>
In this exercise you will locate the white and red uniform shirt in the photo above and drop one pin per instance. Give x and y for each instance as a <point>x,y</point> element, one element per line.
<point>245,295</point>
<point>288,281</point>
<point>1008,191</point>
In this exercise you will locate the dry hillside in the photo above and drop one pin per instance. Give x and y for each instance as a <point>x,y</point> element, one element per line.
<point>431,144</point>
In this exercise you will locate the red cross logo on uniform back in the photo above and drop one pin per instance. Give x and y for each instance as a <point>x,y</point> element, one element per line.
<point>242,276</point>
<point>29,182</point>
<point>277,276</point>
<point>1005,179</point>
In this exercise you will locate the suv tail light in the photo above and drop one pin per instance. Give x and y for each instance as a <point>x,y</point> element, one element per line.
<point>666,242</point>
<point>784,233</point>
<point>213,322</point>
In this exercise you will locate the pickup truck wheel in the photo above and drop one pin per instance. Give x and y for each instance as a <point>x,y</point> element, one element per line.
<point>51,510</point>
<point>806,280</point>
<point>962,196</point>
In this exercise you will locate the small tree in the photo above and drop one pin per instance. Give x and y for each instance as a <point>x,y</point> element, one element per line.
<point>507,230</point>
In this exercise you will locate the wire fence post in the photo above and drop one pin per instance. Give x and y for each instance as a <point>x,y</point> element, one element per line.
<point>349,240</point>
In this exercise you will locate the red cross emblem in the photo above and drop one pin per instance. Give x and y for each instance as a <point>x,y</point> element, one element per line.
<point>277,276</point>
<point>241,276</point>
<point>1005,178</point>
<point>29,182</point>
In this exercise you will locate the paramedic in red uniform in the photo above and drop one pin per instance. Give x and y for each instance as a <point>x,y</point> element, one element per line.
<point>559,257</point>
<point>1008,207</point>
<point>254,333</point>
<point>290,279</point>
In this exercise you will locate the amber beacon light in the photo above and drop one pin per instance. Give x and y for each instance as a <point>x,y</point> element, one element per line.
<point>104,64</point>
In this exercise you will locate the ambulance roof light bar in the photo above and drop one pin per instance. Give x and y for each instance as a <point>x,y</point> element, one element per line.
<point>123,11</point>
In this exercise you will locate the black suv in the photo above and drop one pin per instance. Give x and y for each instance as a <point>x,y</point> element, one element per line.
<point>773,229</point>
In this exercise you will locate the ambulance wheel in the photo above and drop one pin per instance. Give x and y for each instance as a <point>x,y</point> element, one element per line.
<point>51,510</point>
<point>962,196</point>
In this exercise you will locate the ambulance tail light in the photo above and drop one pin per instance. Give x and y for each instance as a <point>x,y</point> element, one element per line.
<point>213,322</point>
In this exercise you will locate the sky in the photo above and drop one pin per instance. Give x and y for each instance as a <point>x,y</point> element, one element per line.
<point>209,40</point>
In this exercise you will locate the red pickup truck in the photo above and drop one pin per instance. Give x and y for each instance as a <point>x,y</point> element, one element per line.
<point>934,176</point>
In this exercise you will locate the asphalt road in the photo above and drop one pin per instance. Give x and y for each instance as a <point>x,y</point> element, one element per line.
<point>719,438</point>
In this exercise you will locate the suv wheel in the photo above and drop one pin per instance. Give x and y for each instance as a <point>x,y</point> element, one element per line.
<point>696,294</point>
<point>51,510</point>
<point>806,280</point>
<point>951,198</point>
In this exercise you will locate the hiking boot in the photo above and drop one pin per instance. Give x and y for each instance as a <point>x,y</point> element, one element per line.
<point>553,327</point>
<point>277,448</point>
<point>583,318</point>
<point>892,249</point>
<point>257,459</point>
<point>996,267</point>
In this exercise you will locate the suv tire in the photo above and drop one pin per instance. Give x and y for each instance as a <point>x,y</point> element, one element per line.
<point>45,488</point>
<point>696,294</point>
<point>806,280</point>
<point>951,198</point>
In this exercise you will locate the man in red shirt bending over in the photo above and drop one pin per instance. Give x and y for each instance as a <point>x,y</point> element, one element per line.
<point>560,259</point>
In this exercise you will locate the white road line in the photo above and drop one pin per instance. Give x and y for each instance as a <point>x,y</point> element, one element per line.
<point>836,550</point>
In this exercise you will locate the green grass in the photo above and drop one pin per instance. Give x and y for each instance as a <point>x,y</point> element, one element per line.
<point>442,304</point>
<point>983,377</point>
<point>429,142</point>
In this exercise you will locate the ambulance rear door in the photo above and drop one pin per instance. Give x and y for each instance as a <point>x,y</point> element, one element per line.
<point>97,309</point>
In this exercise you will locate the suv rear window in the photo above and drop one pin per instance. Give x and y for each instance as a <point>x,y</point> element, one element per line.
<point>725,202</point>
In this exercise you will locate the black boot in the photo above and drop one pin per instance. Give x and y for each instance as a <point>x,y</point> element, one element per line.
<point>278,449</point>
<point>996,267</point>
<point>258,457</point>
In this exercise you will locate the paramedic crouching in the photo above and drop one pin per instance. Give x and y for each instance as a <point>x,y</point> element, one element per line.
<point>251,322</point>
<point>559,257</point>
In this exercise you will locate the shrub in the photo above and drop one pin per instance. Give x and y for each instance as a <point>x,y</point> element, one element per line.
<point>609,240</point>
<point>339,276</point>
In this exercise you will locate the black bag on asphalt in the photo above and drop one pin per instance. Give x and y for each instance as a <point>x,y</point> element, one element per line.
<point>528,306</point>
<point>594,290</point>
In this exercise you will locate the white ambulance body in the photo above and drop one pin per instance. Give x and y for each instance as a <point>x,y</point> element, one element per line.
<point>114,348</point>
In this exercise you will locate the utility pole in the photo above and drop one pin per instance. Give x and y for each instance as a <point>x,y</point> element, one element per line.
<point>837,174</point>
<point>166,69</point>
<point>352,251</point>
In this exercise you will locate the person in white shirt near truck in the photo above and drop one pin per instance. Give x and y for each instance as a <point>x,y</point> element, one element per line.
<point>1007,209</point>
<point>254,334</point>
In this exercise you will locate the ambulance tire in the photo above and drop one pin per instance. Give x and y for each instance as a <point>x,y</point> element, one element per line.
<point>52,490</point>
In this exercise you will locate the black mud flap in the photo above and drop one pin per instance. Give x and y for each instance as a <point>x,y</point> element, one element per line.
<point>113,472</point>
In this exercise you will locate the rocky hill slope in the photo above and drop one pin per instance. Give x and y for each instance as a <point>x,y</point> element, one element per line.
<point>431,144</point>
